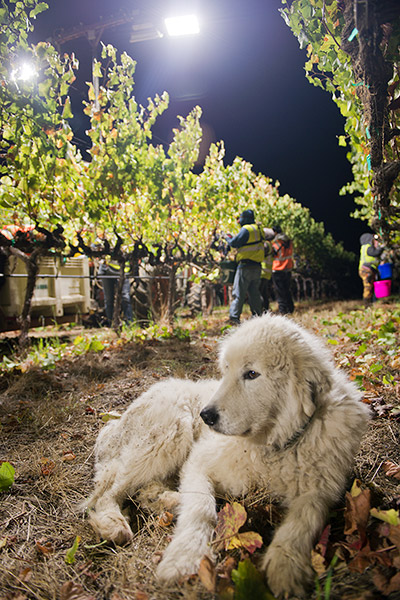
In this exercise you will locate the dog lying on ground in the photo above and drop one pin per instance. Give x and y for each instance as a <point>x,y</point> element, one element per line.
<point>282,417</point>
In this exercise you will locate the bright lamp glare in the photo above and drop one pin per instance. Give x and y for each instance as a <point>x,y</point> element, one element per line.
<point>24,72</point>
<point>185,25</point>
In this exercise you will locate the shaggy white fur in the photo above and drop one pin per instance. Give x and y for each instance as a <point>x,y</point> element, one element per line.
<point>282,417</point>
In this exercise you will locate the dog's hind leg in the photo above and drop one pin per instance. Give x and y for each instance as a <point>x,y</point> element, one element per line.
<point>105,514</point>
<point>156,457</point>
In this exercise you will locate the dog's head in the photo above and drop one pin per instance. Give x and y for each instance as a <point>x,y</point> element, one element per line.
<point>274,375</point>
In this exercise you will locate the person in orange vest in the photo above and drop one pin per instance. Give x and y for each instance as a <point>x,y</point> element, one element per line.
<point>249,243</point>
<point>266,269</point>
<point>282,265</point>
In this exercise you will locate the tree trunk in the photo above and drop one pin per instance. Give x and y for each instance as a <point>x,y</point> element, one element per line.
<point>116,322</point>
<point>32,265</point>
<point>171,294</point>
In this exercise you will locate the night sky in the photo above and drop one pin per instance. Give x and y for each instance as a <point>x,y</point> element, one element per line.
<point>246,72</point>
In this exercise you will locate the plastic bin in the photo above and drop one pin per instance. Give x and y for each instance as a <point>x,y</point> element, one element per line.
<point>385,271</point>
<point>382,288</point>
<point>73,288</point>
<point>54,296</point>
<point>12,294</point>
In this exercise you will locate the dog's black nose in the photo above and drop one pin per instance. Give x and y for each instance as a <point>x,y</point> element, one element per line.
<point>210,416</point>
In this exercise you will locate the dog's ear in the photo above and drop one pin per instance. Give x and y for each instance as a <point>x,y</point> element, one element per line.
<point>319,384</point>
<point>311,386</point>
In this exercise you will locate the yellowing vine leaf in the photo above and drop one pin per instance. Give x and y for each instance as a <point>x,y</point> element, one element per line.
<point>391,516</point>
<point>7,473</point>
<point>230,520</point>
<point>250,540</point>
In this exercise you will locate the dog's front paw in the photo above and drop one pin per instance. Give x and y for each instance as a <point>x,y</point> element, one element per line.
<point>179,560</point>
<point>111,526</point>
<point>288,572</point>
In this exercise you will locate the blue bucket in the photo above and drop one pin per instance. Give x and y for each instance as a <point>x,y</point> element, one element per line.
<point>385,271</point>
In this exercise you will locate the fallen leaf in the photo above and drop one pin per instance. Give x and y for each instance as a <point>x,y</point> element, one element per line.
<point>207,574</point>
<point>139,595</point>
<point>389,516</point>
<point>230,519</point>
<point>249,540</point>
<point>367,557</point>
<point>249,583</point>
<point>357,511</point>
<point>74,591</point>
<point>70,554</point>
<point>165,519</point>
<point>68,456</point>
<point>318,562</point>
<point>44,548</point>
<point>7,474</point>
<point>47,466</point>
<point>384,584</point>
<point>108,416</point>
<point>322,544</point>
<point>391,469</point>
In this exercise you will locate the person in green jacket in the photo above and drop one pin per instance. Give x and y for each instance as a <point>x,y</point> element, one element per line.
<point>249,243</point>
<point>370,257</point>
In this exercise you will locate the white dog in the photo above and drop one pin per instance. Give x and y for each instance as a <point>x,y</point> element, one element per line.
<point>282,418</point>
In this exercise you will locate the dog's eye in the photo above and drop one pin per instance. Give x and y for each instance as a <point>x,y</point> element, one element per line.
<point>251,375</point>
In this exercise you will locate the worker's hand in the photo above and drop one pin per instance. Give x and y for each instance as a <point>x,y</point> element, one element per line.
<point>228,236</point>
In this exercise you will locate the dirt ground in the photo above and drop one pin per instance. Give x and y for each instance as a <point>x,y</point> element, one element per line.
<point>49,421</point>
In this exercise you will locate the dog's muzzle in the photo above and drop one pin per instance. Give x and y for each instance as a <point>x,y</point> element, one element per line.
<point>210,416</point>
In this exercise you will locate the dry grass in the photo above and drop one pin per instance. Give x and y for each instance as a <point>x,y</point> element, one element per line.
<point>49,422</point>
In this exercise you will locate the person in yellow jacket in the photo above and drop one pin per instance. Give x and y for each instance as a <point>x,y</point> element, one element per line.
<point>282,265</point>
<point>370,256</point>
<point>250,254</point>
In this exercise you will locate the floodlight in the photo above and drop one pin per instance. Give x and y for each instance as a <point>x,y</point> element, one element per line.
<point>184,25</point>
<point>24,72</point>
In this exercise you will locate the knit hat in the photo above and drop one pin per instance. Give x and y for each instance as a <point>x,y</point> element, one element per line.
<point>247,217</point>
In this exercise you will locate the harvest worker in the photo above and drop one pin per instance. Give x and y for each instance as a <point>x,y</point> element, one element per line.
<point>249,256</point>
<point>370,254</point>
<point>266,269</point>
<point>109,273</point>
<point>282,265</point>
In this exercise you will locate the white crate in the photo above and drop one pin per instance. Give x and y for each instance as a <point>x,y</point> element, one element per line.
<point>73,288</point>
<point>54,295</point>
